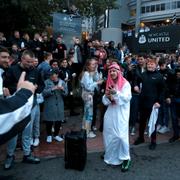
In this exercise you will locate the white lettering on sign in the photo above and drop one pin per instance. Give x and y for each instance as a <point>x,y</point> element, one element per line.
<point>161,37</point>
<point>158,39</point>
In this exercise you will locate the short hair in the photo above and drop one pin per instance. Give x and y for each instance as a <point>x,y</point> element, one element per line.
<point>111,43</point>
<point>151,59</point>
<point>63,59</point>
<point>28,52</point>
<point>142,55</point>
<point>53,61</point>
<point>162,61</point>
<point>4,50</point>
<point>47,54</point>
<point>119,46</point>
<point>112,59</point>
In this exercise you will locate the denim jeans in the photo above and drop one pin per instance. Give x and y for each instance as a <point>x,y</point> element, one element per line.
<point>26,145</point>
<point>35,118</point>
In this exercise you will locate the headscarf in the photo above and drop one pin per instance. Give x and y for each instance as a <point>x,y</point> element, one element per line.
<point>120,81</point>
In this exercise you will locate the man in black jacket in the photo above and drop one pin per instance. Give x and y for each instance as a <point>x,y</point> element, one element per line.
<point>4,64</point>
<point>10,82</point>
<point>163,118</point>
<point>16,107</point>
<point>151,94</point>
<point>174,101</point>
<point>135,72</point>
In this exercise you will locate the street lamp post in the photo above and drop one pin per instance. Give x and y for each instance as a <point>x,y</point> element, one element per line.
<point>138,17</point>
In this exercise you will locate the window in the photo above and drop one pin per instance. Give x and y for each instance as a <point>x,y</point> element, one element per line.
<point>148,9</point>
<point>167,6</point>
<point>152,8</point>
<point>178,4</point>
<point>174,5</point>
<point>158,7</point>
<point>143,10</point>
<point>162,7</point>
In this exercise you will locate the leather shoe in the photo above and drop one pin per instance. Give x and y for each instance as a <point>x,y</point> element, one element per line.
<point>102,156</point>
<point>152,146</point>
<point>31,159</point>
<point>8,162</point>
<point>173,139</point>
<point>138,141</point>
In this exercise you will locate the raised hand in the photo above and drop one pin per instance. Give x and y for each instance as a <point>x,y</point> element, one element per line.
<point>22,83</point>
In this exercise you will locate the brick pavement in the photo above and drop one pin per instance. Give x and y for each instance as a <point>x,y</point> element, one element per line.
<point>45,150</point>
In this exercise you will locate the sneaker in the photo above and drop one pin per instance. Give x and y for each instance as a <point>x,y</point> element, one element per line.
<point>63,121</point>
<point>138,141</point>
<point>52,129</point>
<point>164,129</point>
<point>173,139</point>
<point>132,132</point>
<point>94,128</point>
<point>30,159</point>
<point>125,165</point>
<point>32,141</point>
<point>58,138</point>
<point>36,142</point>
<point>145,132</point>
<point>152,146</point>
<point>91,135</point>
<point>49,139</point>
<point>158,127</point>
<point>8,162</point>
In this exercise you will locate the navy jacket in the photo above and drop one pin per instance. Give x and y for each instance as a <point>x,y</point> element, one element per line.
<point>15,114</point>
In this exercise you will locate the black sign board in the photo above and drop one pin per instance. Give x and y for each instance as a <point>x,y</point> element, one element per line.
<point>157,39</point>
<point>67,26</point>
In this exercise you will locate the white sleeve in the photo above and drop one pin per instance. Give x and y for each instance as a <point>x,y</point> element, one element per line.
<point>123,96</point>
<point>88,83</point>
<point>106,100</point>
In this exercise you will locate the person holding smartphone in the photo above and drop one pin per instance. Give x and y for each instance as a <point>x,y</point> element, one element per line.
<point>116,119</point>
<point>55,89</point>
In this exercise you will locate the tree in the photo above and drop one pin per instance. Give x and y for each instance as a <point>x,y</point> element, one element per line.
<point>28,15</point>
<point>93,8</point>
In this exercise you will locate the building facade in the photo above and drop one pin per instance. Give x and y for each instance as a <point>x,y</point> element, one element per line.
<point>153,10</point>
<point>135,17</point>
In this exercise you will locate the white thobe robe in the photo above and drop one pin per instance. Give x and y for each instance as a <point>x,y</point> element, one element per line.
<point>116,126</point>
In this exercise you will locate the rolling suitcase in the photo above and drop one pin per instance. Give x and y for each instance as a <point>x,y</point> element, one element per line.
<point>75,150</point>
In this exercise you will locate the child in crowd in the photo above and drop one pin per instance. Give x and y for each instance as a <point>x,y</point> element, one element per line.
<point>53,93</point>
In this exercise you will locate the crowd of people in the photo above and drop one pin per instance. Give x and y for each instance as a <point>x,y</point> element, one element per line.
<point>122,87</point>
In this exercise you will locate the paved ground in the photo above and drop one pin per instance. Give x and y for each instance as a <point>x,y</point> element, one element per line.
<point>161,164</point>
<point>55,149</point>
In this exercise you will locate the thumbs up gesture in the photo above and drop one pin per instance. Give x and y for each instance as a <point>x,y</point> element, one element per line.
<point>22,83</point>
